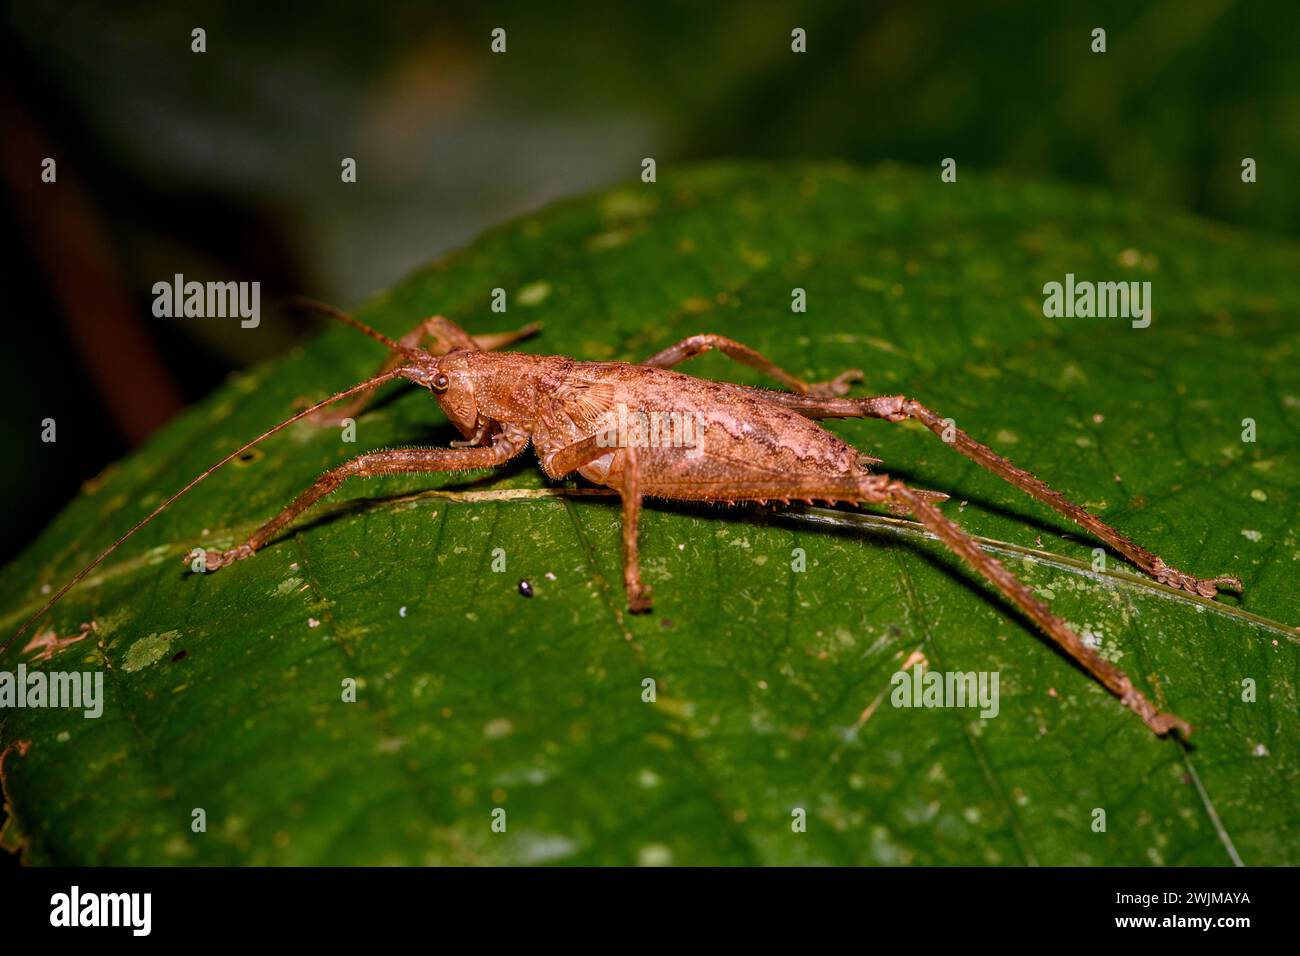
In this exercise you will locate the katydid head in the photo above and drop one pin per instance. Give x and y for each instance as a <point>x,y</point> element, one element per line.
<point>451,379</point>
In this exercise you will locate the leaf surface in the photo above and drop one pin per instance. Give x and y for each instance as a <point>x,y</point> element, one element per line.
<point>224,692</point>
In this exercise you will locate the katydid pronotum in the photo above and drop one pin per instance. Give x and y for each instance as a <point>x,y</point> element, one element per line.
<point>751,444</point>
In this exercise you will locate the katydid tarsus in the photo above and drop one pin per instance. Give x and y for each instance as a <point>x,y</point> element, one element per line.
<point>746,444</point>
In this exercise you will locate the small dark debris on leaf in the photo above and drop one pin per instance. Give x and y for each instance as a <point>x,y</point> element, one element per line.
<point>525,589</point>
<point>179,656</point>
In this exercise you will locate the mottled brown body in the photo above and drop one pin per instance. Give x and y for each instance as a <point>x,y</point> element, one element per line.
<point>751,447</point>
<point>647,431</point>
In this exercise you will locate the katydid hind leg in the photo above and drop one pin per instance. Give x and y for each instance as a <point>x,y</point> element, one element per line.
<point>880,489</point>
<point>996,573</point>
<point>898,408</point>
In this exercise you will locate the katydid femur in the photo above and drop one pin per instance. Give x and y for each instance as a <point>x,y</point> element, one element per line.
<point>747,444</point>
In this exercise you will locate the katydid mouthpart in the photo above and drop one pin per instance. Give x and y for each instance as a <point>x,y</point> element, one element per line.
<point>624,426</point>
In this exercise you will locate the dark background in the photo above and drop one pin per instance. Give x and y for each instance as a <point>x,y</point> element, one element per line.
<point>225,165</point>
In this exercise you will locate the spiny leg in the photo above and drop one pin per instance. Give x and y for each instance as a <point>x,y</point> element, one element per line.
<point>638,594</point>
<point>447,336</point>
<point>569,458</point>
<point>897,408</point>
<point>444,336</point>
<point>403,461</point>
<point>879,489</point>
<point>1115,680</point>
<point>690,347</point>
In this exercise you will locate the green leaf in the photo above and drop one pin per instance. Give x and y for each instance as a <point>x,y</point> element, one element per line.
<point>772,686</point>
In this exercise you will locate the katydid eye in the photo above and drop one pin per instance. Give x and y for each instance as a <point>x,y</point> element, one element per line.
<point>440,382</point>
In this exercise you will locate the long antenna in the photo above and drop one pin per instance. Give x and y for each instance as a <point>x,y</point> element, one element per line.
<point>369,383</point>
<point>312,305</point>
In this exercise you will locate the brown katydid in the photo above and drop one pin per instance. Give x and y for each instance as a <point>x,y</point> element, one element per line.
<point>748,444</point>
